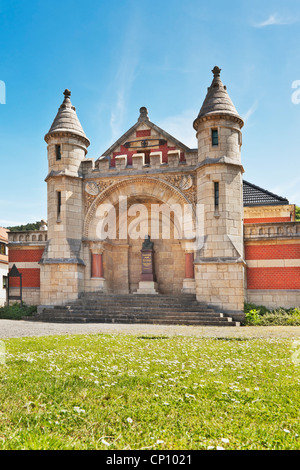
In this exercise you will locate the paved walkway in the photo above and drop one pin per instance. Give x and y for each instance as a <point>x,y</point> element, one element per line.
<point>17,329</point>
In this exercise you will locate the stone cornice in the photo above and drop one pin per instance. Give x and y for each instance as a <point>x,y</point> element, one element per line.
<point>212,116</point>
<point>60,134</point>
<point>219,161</point>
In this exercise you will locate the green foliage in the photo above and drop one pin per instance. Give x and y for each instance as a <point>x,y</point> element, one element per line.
<point>260,315</point>
<point>16,312</point>
<point>297,213</point>
<point>24,228</point>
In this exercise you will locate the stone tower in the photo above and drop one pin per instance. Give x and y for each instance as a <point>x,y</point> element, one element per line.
<point>62,268</point>
<point>219,264</point>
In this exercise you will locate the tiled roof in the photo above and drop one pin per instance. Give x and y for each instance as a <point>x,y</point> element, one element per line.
<point>256,196</point>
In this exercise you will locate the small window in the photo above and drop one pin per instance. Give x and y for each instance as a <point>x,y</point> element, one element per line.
<point>217,196</point>
<point>58,152</point>
<point>58,204</point>
<point>2,249</point>
<point>4,282</point>
<point>215,137</point>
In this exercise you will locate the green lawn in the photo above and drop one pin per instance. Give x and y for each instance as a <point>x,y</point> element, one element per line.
<point>128,392</point>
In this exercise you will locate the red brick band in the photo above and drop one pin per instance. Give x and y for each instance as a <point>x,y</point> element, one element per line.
<point>273,278</point>
<point>256,252</point>
<point>145,133</point>
<point>25,256</point>
<point>30,278</point>
<point>267,220</point>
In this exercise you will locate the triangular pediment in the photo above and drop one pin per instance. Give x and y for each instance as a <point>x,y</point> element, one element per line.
<point>145,137</point>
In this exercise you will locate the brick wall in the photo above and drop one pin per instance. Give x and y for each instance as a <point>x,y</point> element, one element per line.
<point>273,266</point>
<point>273,278</point>
<point>26,256</point>
<point>261,220</point>
<point>265,252</point>
<point>30,278</point>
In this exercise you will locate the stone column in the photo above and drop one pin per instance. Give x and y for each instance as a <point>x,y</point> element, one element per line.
<point>189,266</point>
<point>97,265</point>
<point>189,285</point>
<point>97,271</point>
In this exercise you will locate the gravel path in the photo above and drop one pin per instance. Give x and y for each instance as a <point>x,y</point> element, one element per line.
<point>17,329</point>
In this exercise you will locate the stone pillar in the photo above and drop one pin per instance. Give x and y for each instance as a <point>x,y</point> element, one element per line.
<point>97,265</point>
<point>189,266</point>
<point>189,285</point>
<point>97,271</point>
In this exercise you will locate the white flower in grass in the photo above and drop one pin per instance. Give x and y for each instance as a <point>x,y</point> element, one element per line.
<point>286,430</point>
<point>220,448</point>
<point>78,409</point>
<point>105,442</point>
<point>225,440</point>
<point>159,442</point>
<point>129,420</point>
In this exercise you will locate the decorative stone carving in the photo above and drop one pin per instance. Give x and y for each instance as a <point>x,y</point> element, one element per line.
<point>91,188</point>
<point>186,184</point>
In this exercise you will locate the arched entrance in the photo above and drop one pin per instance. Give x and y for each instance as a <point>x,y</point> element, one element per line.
<point>121,218</point>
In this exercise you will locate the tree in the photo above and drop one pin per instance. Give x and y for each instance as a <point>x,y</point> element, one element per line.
<point>25,228</point>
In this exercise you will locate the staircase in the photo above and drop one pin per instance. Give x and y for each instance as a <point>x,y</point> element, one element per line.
<point>153,309</point>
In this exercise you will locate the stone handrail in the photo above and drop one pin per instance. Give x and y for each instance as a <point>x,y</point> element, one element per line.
<point>272,230</point>
<point>25,237</point>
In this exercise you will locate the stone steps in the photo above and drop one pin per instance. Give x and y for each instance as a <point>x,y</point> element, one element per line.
<point>135,309</point>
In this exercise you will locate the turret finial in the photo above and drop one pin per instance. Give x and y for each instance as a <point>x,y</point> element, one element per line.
<point>216,71</point>
<point>67,93</point>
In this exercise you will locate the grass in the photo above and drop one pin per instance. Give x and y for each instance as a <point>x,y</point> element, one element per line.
<point>149,392</point>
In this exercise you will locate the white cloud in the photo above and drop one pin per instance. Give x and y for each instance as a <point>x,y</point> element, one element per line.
<point>275,19</point>
<point>250,112</point>
<point>181,127</point>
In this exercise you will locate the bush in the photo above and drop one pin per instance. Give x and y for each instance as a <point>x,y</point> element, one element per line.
<point>16,312</point>
<point>260,315</point>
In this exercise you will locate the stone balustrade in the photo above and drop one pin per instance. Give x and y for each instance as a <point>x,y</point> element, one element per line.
<point>277,230</point>
<point>28,237</point>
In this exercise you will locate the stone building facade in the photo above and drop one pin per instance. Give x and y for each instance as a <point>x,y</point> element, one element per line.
<point>214,235</point>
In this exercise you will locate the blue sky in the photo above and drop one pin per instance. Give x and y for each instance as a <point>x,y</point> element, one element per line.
<point>118,55</point>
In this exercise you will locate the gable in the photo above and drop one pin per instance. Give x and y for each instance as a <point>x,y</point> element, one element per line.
<point>145,137</point>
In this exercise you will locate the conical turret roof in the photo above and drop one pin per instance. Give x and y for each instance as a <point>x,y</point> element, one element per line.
<point>217,101</point>
<point>66,120</point>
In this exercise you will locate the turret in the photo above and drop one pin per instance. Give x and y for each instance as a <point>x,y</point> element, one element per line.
<point>67,142</point>
<point>62,266</point>
<point>218,124</point>
<point>220,195</point>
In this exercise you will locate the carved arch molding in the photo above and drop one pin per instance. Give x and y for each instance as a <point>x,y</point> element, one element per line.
<point>180,188</point>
